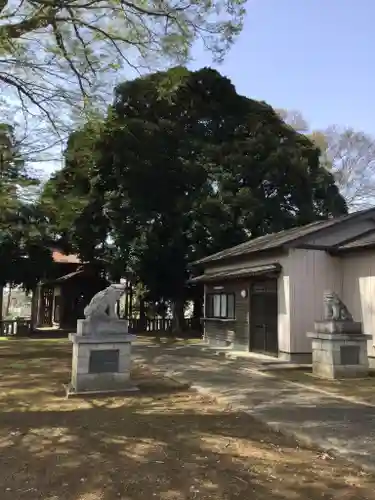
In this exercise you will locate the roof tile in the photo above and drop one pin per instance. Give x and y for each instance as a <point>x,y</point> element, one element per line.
<point>277,240</point>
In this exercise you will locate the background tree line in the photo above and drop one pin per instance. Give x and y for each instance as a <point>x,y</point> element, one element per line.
<point>178,166</point>
<point>164,178</point>
<point>347,153</point>
<point>57,67</point>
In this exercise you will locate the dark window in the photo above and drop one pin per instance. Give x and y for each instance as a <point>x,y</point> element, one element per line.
<point>220,305</point>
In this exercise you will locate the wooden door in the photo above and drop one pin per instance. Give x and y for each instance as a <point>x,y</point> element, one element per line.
<point>263,317</point>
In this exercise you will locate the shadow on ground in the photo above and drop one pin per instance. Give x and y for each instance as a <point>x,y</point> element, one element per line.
<point>171,444</point>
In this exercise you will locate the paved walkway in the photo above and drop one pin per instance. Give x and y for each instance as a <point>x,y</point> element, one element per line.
<point>333,424</point>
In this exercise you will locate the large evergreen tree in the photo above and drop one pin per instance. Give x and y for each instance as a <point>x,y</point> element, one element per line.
<point>181,175</point>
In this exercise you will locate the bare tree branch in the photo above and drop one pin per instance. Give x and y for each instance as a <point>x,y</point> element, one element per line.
<point>351,155</point>
<point>60,59</point>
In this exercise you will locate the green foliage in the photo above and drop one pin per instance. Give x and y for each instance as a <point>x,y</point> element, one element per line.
<point>177,176</point>
<point>24,253</point>
<point>23,230</point>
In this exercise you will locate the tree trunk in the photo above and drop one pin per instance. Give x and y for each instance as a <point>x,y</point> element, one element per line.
<point>7,308</point>
<point>178,316</point>
<point>130,309</point>
<point>127,293</point>
<point>142,315</point>
<point>198,308</point>
<point>1,302</point>
<point>197,314</point>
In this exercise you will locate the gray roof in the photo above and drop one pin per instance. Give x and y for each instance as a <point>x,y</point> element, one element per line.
<point>278,240</point>
<point>238,273</point>
<point>367,240</point>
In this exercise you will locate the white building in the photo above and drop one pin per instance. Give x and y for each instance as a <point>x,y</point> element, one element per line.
<point>265,294</point>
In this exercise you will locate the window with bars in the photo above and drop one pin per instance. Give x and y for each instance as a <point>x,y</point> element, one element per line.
<point>220,305</point>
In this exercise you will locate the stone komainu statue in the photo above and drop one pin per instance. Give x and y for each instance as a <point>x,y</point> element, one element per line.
<point>103,304</point>
<point>334,308</point>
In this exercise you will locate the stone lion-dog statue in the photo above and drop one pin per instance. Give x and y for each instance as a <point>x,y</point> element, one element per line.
<point>334,308</point>
<point>103,304</point>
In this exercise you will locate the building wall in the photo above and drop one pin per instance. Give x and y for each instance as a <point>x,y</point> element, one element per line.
<point>358,292</point>
<point>305,275</point>
<point>236,333</point>
<point>311,272</point>
<point>230,332</point>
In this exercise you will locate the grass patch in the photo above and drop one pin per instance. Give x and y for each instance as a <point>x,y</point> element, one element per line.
<point>165,442</point>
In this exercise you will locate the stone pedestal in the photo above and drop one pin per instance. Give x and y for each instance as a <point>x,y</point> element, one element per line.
<point>339,350</point>
<point>101,357</point>
<point>98,326</point>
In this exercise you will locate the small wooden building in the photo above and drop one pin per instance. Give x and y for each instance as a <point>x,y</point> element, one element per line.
<point>58,301</point>
<point>265,294</point>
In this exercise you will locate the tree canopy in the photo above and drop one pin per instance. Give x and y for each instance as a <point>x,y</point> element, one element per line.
<point>173,178</point>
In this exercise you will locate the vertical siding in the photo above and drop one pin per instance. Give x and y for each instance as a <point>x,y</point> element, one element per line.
<point>230,332</point>
<point>305,275</point>
<point>237,333</point>
<point>311,272</point>
<point>283,306</point>
<point>359,291</point>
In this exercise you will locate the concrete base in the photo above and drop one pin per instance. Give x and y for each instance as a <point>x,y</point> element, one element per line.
<point>99,326</point>
<point>101,363</point>
<point>338,326</point>
<point>339,355</point>
<point>371,362</point>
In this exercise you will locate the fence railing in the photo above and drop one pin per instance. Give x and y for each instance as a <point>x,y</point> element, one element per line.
<point>15,327</point>
<point>161,325</point>
<point>22,326</point>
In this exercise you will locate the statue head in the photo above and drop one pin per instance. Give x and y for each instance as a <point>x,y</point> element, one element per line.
<point>118,286</point>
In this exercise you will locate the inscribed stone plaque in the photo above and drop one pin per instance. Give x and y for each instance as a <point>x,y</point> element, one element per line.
<point>349,355</point>
<point>104,361</point>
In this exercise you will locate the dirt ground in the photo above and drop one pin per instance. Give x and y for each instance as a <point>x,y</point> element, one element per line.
<point>165,442</point>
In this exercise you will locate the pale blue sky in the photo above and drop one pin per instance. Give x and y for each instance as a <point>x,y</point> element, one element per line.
<point>316,56</point>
